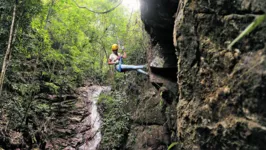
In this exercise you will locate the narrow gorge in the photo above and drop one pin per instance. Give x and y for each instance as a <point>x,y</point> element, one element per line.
<point>60,94</point>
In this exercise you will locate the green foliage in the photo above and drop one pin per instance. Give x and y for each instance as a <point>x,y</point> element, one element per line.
<point>115,120</point>
<point>172,145</point>
<point>56,47</point>
<point>52,87</point>
<point>249,29</point>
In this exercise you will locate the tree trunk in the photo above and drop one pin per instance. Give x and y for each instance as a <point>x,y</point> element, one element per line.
<point>7,55</point>
<point>49,13</point>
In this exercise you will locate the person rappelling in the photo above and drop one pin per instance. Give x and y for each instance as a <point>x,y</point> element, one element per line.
<point>116,59</point>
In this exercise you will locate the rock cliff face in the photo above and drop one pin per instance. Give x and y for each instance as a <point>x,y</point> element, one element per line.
<point>221,93</point>
<point>154,111</point>
<point>153,124</point>
<point>158,18</point>
<point>78,129</point>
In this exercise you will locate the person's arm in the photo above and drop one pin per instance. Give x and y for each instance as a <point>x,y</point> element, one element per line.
<point>125,55</point>
<point>110,62</point>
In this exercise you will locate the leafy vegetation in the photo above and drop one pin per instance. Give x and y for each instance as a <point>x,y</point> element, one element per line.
<point>116,120</point>
<point>172,145</point>
<point>249,29</point>
<point>56,46</point>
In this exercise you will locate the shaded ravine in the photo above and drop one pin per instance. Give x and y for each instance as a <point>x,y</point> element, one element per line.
<point>81,127</point>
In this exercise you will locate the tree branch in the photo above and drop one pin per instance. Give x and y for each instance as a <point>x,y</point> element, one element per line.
<point>99,12</point>
<point>48,14</point>
<point>7,55</point>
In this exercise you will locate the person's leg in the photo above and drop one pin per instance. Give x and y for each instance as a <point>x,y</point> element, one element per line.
<point>132,67</point>
<point>142,71</point>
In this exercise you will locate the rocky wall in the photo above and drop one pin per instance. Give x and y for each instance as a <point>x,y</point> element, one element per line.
<point>158,18</point>
<point>153,125</point>
<point>221,93</point>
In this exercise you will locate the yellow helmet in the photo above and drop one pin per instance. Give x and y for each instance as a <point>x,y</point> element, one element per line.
<point>114,47</point>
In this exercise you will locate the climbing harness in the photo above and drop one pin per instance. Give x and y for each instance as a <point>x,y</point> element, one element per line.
<point>119,65</point>
<point>121,58</point>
